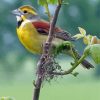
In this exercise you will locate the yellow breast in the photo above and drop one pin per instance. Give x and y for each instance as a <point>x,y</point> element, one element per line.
<point>28,36</point>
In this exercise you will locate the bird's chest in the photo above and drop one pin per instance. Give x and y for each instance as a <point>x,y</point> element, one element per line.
<point>28,36</point>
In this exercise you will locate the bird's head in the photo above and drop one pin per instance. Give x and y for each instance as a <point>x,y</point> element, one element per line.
<point>25,12</point>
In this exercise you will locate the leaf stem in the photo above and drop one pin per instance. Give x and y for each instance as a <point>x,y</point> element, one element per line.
<point>69,71</point>
<point>47,10</point>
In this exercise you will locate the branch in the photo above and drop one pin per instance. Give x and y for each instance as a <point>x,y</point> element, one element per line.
<point>71,69</point>
<point>45,55</point>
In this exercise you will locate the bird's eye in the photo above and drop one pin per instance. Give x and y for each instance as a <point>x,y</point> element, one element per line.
<point>25,11</point>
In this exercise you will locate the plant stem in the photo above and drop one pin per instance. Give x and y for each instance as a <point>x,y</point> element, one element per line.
<point>47,10</point>
<point>71,69</point>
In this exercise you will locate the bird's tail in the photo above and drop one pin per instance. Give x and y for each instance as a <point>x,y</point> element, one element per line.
<point>85,63</point>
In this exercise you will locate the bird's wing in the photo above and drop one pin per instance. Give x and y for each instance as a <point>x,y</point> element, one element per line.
<point>43,28</point>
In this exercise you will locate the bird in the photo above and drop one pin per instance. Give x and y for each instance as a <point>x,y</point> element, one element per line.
<point>32,32</point>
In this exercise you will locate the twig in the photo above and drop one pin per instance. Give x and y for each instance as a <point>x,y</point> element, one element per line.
<point>47,11</point>
<point>71,69</point>
<point>45,54</point>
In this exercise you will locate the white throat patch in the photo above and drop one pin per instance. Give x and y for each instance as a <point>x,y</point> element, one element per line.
<point>18,18</point>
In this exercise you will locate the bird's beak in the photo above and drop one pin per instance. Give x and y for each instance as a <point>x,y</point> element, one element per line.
<point>17,12</point>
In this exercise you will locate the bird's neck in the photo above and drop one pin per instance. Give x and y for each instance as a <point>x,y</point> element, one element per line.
<point>33,18</point>
<point>30,18</point>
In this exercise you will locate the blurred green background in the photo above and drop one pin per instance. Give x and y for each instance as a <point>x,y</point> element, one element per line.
<point>17,66</point>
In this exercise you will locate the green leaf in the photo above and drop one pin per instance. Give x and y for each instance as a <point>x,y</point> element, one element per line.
<point>95,52</point>
<point>85,40</point>
<point>75,74</point>
<point>52,1</point>
<point>65,46</point>
<point>78,36</point>
<point>42,2</point>
<point>82,31</point>
<point>87,50</point>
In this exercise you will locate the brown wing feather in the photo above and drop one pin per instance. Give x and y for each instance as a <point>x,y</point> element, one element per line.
<point>43,28</point>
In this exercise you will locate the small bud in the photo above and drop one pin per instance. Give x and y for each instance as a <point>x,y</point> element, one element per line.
<point>86,40</point>
<point>94,40</point>
<point>98,41</point>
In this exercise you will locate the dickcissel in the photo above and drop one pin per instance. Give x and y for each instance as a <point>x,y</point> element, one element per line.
<point>32,31</point>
